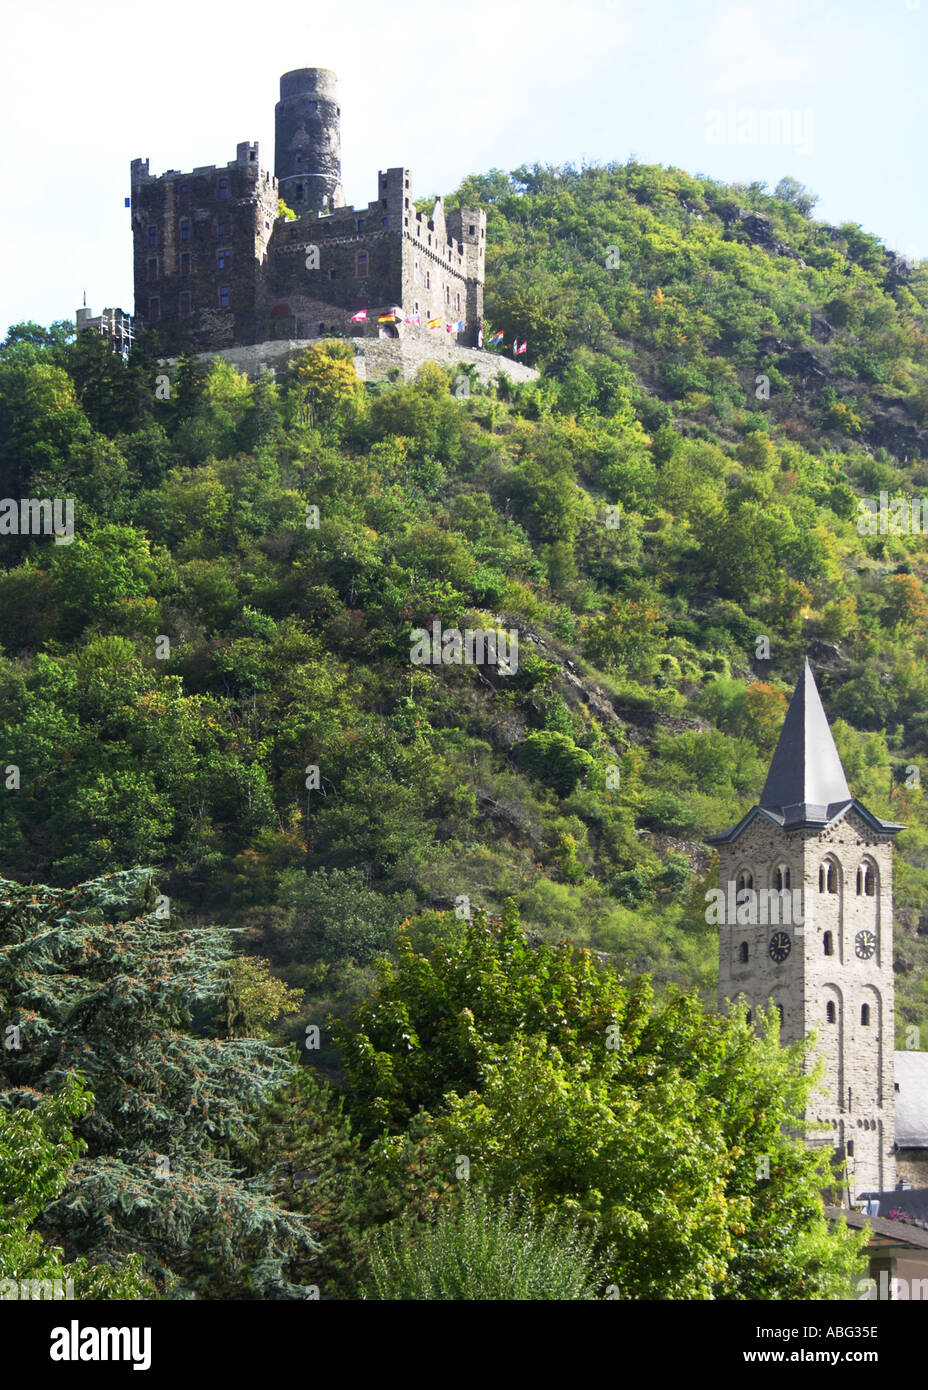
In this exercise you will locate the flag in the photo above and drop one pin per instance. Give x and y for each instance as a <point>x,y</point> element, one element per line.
<point>480,337</point>
<point>459,326</point>
<point>523,348</point>
<point>128,202</point>
<point>85,299</point>
<point>497,338</point>
<point>415,318</point>
<point>360,316</point>
<point>449,327</point>
<point>434,323</point>
<point>387,318</point>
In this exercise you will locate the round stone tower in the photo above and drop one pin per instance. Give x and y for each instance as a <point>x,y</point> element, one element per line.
<point>308,147</point>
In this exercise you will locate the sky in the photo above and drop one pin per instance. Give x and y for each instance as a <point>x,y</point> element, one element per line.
<point>448,89</point>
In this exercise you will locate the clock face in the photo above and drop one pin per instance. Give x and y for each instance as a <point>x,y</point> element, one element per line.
<point>780,946</point>
<point>865,944</point>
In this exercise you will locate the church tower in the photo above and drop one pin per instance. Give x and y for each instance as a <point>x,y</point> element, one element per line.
<point>806,922</point>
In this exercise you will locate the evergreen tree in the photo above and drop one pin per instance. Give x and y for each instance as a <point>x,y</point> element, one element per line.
<point>96,980</point>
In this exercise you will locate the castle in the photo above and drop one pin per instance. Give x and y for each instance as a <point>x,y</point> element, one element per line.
<point>216,268</point>
<point>823,955</point>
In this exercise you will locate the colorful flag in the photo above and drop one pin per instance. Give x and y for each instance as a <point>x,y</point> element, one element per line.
<point>387,318</point>
<point>414,318</point>
<point>497,338</point>
<point>459,326</point>
<point>449,327</point>
<point>523,348</point>
<point>360,316</point>
<point>434,323</point>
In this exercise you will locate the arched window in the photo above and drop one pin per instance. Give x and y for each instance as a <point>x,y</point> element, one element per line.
<point>781,878</point>
<point>866,881</point>
<point>831,1013</point>
<point>743,953</point>
<point>828,942</point>
<point>745,880</point>
<point>865,1015</point>
<point>828,877</point>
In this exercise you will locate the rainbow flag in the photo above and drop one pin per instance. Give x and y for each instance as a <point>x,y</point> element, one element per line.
<point>497,338</point>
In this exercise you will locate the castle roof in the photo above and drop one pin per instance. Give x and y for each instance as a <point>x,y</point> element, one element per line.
<point>806,787</point>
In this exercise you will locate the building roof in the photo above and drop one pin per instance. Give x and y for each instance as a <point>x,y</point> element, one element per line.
<point>806,786</point>
<point>911,1074</point>
<point>884,1232</point>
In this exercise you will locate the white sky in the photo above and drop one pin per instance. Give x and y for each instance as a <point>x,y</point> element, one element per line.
<point>446,88</point>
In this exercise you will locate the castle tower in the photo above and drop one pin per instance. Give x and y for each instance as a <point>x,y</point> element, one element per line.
<point>806,923</point>
<point>307,149</point>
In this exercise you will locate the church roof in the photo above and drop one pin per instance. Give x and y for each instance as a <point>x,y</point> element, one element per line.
<point>806,787</point>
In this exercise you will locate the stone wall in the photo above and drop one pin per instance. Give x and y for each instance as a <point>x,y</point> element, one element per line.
<point>376,359</point>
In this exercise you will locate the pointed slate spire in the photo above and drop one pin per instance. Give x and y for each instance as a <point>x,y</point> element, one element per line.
<point>806,781</point>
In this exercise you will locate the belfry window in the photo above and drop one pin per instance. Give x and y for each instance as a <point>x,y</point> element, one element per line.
<point>781,878</point>
<point>828,877</point>
<point>745,880</point>
<point>866,881</point>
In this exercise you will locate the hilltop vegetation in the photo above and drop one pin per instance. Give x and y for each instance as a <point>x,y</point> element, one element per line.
<point>213,678</point>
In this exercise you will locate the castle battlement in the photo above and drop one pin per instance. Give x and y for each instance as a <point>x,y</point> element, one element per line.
<point>216,268</point>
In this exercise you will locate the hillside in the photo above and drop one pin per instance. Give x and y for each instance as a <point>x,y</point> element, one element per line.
<point>723,379</point>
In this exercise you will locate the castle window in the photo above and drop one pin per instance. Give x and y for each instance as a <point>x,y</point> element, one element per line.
<point>383,203</point>
<point>223,296</point>
<point>185,262</point>
<point>458,306</point>
<point>299,193</point>
<point>831,1013</point>
<point>361,264</point>
<point>252,156</point>
<point>781,878</point>
<point>321,329</point>
<point>223,188</point>
<point>850,1148</point>
<point>471,229</point>
<point>223,226</point>
<point>185,229</point>
<point>333,274</point>
<point>447,295</point>
<point>360,224</point>
<point>185,302</point>
<point>743,953</point>
<point>224,258</point>
<point>406,200</point>
<point>153,236</point>
<point>383,222</point>
<point>828,942</point>
<point>154,310</point>
<point>184,194</point>
<point>428,279</point>
<point>153,268</point>
<point>865,1015</point>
